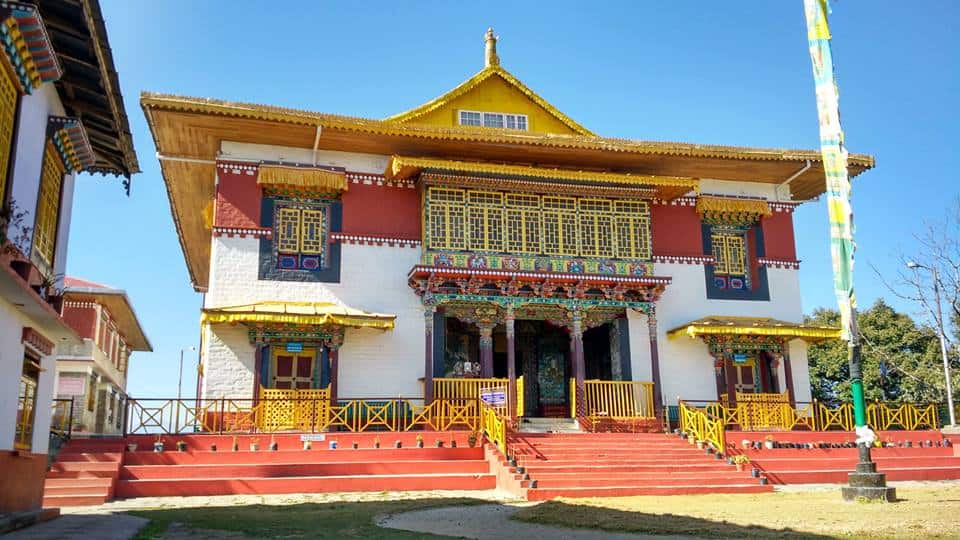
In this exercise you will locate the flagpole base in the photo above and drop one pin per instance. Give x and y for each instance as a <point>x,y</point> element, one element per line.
<point>866,483</point>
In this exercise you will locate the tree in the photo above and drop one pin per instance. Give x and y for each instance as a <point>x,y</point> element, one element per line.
<point>900,359</point>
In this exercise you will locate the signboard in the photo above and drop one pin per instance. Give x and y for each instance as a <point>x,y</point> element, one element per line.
<point>294,346</point>
<point>71,385</point>
<point>740,358</point>
<point>313,437</point>
<point>495,397</point>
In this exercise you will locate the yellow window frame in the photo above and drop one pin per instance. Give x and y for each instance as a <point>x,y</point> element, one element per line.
<point>729,253</point>
<point>446,218</point>
<point>48,205</point>
<point>288,230</point>
<point>8,114</point>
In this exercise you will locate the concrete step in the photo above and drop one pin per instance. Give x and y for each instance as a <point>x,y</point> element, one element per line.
<point>617,469</point>
<point>279,470</point>
<point>341,455</point>
<point>73,482</point>
<point>90,457</point>
<point>833,476</point>
<point>60,501</point>
<point>303,484</point>
<point>86,466</point>
<point>104,491</point>
<point>538,494</point>
<point>665,480</point>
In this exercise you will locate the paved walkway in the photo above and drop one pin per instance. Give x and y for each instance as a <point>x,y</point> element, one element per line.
<point>492,522</point>
<point>98,526</point>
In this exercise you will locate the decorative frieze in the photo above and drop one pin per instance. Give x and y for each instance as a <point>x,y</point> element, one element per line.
<point>779,263</point>
<point>242,232</point>
<point>33,339</point>
<point>379,180</point>
<point>684,259</point>
<point>374,240</point>
<point>238,168</point>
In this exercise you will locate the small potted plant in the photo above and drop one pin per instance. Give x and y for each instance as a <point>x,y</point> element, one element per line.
<point>273,444</point>
<point>691,439</point>
<point>213,447</point>
<point>472,439</point>
<point>332,445</point>
<point>397,444</point>
<point>376,442</point>
<point>131,447</point>
<point>740,460</point>
<point>236,444</point>
<point>355,445</point>
<point>453,442</point>
<point>254,444</point>
<point>419,440</point>
<point>181,446</point>
<point>768,442</point>
<point>439,443</point>
<point>745,444</point>
<point>158,444</point>
<point>307,444</point>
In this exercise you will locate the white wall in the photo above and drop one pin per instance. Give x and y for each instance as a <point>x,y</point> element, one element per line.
<point>352,161</point>
<point>686,367</point>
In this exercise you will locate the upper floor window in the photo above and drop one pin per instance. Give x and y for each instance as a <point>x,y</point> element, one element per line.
<point>299,235</point>
<point>729,253</point>
<point>48,207</point>
<point>8,113</point>
<point>493,119</point>
<point>491,221</point>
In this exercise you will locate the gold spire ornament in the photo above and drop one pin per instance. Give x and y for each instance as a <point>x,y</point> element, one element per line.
<point>490,54</point>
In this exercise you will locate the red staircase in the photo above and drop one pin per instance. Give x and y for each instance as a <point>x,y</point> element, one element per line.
<point>84,474</point>
<point>828,465</point>
<point>550,465</point>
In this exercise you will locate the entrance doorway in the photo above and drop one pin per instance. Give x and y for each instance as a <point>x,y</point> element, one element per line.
<point>543,358</point>
<point>293,370</point>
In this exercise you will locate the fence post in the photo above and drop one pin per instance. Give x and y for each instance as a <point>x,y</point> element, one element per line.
<point>313,414</point>
<point>220,416</point>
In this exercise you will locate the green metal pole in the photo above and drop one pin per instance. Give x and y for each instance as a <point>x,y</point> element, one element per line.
<point>856,386</point>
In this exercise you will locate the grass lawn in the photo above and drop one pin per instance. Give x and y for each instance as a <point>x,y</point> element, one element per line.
<point>307,520</point>
<point>921,513</point>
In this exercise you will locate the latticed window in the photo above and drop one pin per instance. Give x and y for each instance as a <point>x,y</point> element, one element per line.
<point>300,230</point>
<point>48,207</point>
<point>459,219</point>
<point>447,218</point>
<point>485,211</point>
<point>522,223</point>
<point>8,114</point>
<point>729,254</point>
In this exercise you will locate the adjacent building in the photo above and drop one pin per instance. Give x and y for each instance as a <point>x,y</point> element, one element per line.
<point>92,377</point>
<point>60,114</point>
<point>484,234</point>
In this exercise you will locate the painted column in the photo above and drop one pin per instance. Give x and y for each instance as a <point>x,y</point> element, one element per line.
<point>486,349</point>
<point>511,364</point>
<point>576,350</point>
<point>788,375</point>
<point>258,360</point>
<point>334,353</point>
<point>655,360</point>
<point>730,369</point>
<point>428,316</point>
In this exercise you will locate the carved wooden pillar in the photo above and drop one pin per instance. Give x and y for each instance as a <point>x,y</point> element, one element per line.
<point>428,321</point>
<point>486,349</point>
<point>788,375</point>
<point>334,374</point>
<point>731,370</point>
<point>579,371</point>
<point>258,360</point>
<point>655,360</point>
<point>511,364</point>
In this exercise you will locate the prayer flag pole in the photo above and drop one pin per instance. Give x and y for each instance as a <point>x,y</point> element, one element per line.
<point>866,482</point>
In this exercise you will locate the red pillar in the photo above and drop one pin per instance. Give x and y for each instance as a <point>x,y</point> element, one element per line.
<point>334,373</point>
<point>655,361</point>
<point>486,349</point>
<point>579,371</point>
<point>730,369</point>
<point>428,316</point>
<point>511,365</point>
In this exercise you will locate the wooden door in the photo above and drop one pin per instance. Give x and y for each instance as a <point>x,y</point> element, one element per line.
<point>746,379</point>
<point>293,370</point>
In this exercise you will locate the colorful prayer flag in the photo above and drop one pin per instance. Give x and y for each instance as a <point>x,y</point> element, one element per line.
<point>834,164</point>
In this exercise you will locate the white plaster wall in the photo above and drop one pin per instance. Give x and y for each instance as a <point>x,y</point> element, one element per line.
<point>372,363</point>
<point>44,410</point>
<point>800,370</point>
<point>738,189</point>
<point>352,161</point>
<point>686,367</point>
<point>640,367</point>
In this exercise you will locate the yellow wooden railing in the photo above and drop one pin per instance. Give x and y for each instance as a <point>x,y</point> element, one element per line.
<point>494,427</point>
<point>468,390</point>
<point>818,416</point>
<point>293,409</point>
<point>520,397</point>
<point>618,399</point>
<point>702,426</point>
<point>573,398</point>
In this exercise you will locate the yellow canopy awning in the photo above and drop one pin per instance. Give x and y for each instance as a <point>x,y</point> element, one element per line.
<point>724,205</point>
<point>302,178</point>
<point>753,326</point>
<point>405,167</point>
<point>299,314</point>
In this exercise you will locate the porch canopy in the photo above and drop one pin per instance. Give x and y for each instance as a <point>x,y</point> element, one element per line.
<point>299,314</point>
<point>753,326</point>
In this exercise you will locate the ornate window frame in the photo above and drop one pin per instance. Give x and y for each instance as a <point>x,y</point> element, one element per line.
<point>721,283</point>
<point>319,260</point>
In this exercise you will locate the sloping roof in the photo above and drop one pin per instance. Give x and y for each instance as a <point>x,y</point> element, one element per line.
<point>116,302</point>
<point>473,83</point>
<point>299,314</point>
<point>753,326</point>
<point>90,87</point>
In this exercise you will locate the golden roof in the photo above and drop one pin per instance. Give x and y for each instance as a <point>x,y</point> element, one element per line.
<point>753,326</point>
<point>405,167</point>
<point>298,314</point>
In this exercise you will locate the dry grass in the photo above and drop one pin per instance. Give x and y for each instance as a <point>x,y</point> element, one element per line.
<point>920,513</point>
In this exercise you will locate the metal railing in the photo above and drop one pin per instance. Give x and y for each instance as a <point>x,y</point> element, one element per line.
<point>61,417</point>
<point>494,427</point>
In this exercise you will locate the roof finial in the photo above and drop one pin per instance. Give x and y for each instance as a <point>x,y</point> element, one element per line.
<point>491,58</point>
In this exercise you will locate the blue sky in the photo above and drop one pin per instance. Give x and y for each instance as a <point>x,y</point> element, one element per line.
<point>734,73</point>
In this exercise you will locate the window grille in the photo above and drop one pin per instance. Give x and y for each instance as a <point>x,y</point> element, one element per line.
<point>729,254</point>
<point>48,207</point>
<point>493,120</point>
<point>8,113</point>
<point>459,219</point>
<point>470,118</point>
<point>300,230</point>
<point>288,230</point>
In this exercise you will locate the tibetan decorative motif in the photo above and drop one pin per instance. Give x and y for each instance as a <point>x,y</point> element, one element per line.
<point>297,314</point>
<point>534,263</point>
<point>730,211</point>
<point>27,45</point>
<point>269,334</point>
<point>728,344</point>
<point>70,139</point>
<point>291,178</point>
<point>33,338</point>
<point>753,326</point>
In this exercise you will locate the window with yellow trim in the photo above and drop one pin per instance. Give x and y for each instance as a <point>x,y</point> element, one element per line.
<point>460,219</point>
<point>8,115</point>
<point>300,236</point>
<point>48,206</point>
<point>729,254</point>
